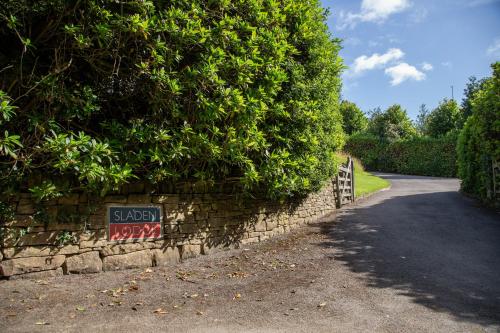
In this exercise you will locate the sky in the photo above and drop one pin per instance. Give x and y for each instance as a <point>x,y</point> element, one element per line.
<point>411,52</point>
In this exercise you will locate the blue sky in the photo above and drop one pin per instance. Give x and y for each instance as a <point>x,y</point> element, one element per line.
<point>411,51</point>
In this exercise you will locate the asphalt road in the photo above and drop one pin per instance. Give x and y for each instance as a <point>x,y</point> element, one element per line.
<point>419,257</point>
<point>428,242</point>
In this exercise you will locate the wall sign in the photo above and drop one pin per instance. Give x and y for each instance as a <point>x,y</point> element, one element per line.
<point>134,222</point>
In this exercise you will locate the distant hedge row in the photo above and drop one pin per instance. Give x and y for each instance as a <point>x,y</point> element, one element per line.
<point>416,156</point>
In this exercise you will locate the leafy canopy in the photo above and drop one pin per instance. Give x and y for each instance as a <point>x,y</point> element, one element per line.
<point>391,124</point>
<point>443,119</point>
<point>96,93</point>
<point>353,119</point>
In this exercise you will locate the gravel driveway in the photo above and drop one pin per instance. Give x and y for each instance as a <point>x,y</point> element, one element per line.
<point>416,258</point>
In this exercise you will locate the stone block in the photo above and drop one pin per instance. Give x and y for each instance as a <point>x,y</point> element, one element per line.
<point>260,226</point>
<point>70,199</point>
<point>93,243</point>
<point>190,251</point>
<point>28,265</point>
<point>115,249</point>
<point>84,263</point>
<point>22,221</point>
<point>166,199</point>
<point>25,208</point>
<point>96,238</point>
<point>210,247</point>
<point>270,225</point>
<point>138,259</point>
<point>166,256</point>
<point>115,199</point>
<point>136,187</point>
<point>38,251</point>
<point>30,239</point>
<point>39,275</point>
<point>139,199</point>
<point>188,228</point>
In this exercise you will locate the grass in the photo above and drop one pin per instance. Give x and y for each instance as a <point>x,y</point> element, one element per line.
<point>364,182</point>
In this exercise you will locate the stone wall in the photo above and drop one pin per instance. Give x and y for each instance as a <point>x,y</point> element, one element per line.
<point>71,236</point>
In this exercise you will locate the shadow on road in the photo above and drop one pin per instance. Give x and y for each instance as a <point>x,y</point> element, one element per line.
<point>436,248</point>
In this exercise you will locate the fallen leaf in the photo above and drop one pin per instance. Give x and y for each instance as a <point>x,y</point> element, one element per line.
<point>80,308</point>
<point>238,295</point>
<point>160,311</point>
<point>200,313</point>
<point>193,296</point>
<point>42,323</point>
<point>320,305</point>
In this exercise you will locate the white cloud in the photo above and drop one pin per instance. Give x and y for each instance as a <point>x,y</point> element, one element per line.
<point>365,63</point>
<point>494,49</point>
<point>426,66</point>
<point>403,72</point>
<point>372,11</point>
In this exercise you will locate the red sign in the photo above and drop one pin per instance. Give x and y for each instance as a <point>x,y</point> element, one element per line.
<point>134,222</point>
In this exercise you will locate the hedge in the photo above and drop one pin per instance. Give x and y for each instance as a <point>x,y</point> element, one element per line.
<point>415,156</point>
<point>97,93</point>
<point>479,140</point>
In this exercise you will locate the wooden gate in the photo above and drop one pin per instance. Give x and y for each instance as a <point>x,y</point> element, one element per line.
<point>496,179</point>
<point>344,184</point>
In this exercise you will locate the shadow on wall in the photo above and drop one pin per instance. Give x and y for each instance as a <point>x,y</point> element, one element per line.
<point>194,223</point>
<point>437,248</point>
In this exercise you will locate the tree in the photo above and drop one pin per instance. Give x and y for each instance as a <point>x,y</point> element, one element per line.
<point>479,140</point>
<point>391,124</point>
<point>473,86</point>
<point>353,119</point>
<point>421,123</point>
<point>443,119</point>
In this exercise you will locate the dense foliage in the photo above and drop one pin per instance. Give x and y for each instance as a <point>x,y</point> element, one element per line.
<point>423,156</point>
<point>473,86</point>
<point>95,93</point>
<point>353,119</point>
<point>443,119</point>
<point>479,140</point>
<point>391,124</point>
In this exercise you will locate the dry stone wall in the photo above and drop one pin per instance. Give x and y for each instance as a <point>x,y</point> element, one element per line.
<point>71,237</point>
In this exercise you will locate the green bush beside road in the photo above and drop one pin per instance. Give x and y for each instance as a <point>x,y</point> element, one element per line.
<point>479,140</point>
<point>414,156</point>
<point>97,93</point>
